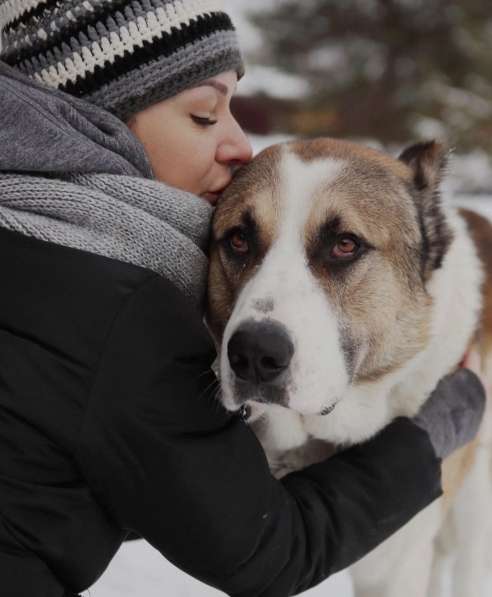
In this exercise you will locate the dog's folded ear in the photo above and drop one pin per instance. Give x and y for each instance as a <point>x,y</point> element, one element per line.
<point>427,162</point>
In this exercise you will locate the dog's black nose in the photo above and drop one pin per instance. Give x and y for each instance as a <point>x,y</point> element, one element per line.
<point>260,352</point>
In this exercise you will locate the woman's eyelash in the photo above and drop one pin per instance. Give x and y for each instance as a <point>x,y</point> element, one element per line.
<point>203,120</point>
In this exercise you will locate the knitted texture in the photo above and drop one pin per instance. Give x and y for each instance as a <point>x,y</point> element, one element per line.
<point>134,220</point>
<point>453,413</point>
<point>121,55</point>
<point>72,174</point>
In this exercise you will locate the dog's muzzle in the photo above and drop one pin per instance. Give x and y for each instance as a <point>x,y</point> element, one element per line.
<point>260,352</point>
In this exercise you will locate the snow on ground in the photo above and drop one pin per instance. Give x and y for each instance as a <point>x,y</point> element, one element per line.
<point>138,570</point>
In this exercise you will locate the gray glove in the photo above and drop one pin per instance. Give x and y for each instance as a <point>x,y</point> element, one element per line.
<point>453,413</point>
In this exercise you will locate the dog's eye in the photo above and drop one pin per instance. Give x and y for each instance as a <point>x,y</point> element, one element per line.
<point>345,247</point>
<point>238,241</point>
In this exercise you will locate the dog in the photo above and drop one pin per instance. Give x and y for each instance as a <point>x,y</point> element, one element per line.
<point>341,289</point>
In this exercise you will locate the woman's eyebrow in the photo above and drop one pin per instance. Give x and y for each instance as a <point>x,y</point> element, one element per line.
<point>221,88</point>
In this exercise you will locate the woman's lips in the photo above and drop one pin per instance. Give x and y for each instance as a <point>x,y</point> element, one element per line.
<point>213,196</point>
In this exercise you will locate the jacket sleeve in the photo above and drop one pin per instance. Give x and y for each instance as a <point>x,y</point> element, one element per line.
<point>168,462</point>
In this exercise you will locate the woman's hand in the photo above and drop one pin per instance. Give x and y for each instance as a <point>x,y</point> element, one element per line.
<point>453,413</point>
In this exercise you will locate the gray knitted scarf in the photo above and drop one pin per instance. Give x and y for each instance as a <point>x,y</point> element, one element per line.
<point>73,174</point>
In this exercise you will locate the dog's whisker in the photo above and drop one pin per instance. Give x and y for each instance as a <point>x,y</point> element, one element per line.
<point>206,372</point>
<point>209,388</point>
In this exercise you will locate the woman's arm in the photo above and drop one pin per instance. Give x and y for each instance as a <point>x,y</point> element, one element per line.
<point>168,462</point>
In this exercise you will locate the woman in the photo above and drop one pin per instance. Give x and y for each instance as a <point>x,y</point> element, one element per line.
<point>108,422</point>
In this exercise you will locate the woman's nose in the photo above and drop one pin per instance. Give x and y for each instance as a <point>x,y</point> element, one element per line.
<point>235,147</point>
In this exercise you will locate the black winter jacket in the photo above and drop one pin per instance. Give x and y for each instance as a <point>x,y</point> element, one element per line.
<point>109,424</point>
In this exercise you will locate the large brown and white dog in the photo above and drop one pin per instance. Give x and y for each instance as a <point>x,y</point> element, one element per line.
<point>341,291</point>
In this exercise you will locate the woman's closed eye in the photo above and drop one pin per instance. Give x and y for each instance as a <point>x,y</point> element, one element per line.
<point>203,120</point>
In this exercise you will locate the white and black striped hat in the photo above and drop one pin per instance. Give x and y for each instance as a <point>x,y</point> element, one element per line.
<point>121,55</point>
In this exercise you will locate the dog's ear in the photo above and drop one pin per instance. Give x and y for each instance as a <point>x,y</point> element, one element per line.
<point>427,162</point>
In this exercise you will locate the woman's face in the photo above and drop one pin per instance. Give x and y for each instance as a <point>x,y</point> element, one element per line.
<point>192,139</point>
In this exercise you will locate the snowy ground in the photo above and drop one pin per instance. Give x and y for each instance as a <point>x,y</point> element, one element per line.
<point>140,571</point>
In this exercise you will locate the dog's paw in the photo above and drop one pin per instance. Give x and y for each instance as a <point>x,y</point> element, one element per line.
<point>283,463</point>
<point>278,473</point>
<point>287,462</point>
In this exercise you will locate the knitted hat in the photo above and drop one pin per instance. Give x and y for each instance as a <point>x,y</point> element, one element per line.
<point>121,55</point>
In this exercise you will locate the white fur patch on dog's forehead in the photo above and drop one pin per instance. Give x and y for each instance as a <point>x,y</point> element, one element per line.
<point>283,289</point>
<point>301,180</point>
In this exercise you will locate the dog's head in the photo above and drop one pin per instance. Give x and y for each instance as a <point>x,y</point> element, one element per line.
<point>320,258</point>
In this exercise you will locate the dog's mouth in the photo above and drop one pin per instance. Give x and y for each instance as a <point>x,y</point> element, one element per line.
<point>245,411</point>
<point>245,396</point>
<point>260,366</point>
<point>262,393</point>
<point>327,410</point>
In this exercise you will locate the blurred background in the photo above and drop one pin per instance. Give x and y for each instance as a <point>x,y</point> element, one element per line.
<point>384,72</point>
